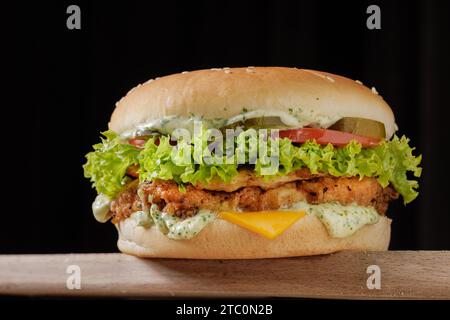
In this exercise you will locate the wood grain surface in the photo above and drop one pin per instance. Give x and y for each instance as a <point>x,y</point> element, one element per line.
<point>404,275</point>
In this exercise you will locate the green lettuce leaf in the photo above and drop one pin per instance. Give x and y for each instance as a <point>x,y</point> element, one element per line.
<point>106,166</point>
<point>161,160</point>
<point>391,162</point>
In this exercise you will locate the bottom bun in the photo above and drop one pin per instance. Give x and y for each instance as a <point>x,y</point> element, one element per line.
<point>223,240</point>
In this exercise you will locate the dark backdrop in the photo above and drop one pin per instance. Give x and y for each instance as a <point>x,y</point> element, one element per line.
<point>60,86</point>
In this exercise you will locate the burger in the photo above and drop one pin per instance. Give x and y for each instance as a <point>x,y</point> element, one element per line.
<point>257,162</point>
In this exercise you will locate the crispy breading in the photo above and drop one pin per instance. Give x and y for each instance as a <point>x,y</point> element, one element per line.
<point>169,198</point>
<point>125,204</point>
<point>248,178</point>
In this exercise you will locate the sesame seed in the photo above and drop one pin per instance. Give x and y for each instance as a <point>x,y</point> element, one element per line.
<point>156,78</point>
<point>215,69</point>
<point>358,82</point>
<point>151,80</point>
<point>250,70</point>
<point>185,72</point>
<point>330,79</point>
<point>315,73</point>
<point>374,90</point>
<point>226,68</point>
<point>227,71</point>
<point>250,67</point>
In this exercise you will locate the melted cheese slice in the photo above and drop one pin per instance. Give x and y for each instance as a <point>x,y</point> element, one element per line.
<point>269,224</point>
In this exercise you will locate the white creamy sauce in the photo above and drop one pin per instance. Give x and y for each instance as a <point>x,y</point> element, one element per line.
<point>172,226</point>
<point>190,227</point>
<point>168,124</point>
<point>339,220</point>
<point>159,222</point>
<point>142,218</point>
<point>100,208</point>
<point>295,118</point>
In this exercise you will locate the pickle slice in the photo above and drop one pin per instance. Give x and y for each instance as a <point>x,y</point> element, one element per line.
<point>258,123</point>
<point>360,126</point>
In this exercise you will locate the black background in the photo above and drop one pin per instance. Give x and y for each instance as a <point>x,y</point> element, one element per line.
<point>60,86</point>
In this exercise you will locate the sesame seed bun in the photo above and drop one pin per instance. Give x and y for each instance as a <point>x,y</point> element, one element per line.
<point>223,240</point>
<point>225,93</point>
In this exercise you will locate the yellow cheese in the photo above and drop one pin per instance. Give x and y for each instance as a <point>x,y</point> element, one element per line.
<point>269,224</point>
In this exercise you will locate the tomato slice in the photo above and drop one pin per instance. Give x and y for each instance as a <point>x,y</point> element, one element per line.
<point>133,171</point>
<point>325,136</point>
<point>138,142</point>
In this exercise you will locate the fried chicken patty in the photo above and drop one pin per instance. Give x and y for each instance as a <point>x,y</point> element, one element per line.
<point>252,197</point>
<point>248,178</point>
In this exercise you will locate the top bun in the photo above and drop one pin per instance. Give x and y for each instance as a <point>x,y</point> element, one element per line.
<point>224,93</point>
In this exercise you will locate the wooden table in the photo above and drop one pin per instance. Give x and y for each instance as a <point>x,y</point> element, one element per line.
<point>404,275</point>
